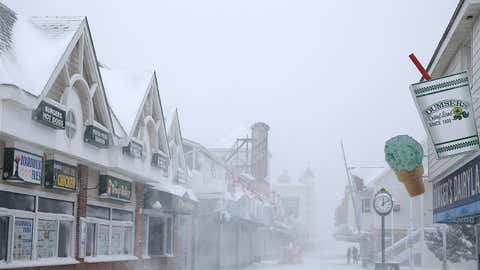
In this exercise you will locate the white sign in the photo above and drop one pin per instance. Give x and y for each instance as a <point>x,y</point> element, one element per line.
<point>22,243</point>
<point>446,109</point>
<point>22,166</point>
<point>46,238</point>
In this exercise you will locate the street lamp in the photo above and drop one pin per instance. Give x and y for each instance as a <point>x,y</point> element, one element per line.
<point>444,231</point>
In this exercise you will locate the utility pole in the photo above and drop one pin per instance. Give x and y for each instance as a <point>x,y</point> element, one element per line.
<point>350,188</point>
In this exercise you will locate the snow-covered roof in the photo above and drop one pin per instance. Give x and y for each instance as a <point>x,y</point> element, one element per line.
<point>126,91</point>
<point>118,130</point>
<point>35,47</point>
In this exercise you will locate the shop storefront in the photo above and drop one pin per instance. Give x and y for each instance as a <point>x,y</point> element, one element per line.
<point>168,228</point>
<point>37,207</point>
<point>107,231</point>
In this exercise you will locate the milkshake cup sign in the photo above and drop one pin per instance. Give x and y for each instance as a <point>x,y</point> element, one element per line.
<point>446,109</point>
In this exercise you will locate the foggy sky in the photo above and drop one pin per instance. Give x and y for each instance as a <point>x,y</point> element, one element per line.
<point>315,71</point>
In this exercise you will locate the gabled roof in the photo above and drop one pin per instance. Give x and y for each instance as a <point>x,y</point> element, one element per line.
<point>175,136</point>
<point>127,91</point>
<point>174,131</point>
<point>33,46</point>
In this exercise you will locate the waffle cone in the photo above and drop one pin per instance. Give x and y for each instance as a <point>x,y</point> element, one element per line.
<point>413,180</point>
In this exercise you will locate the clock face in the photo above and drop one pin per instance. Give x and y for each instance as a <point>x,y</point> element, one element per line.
<point>383,203</point>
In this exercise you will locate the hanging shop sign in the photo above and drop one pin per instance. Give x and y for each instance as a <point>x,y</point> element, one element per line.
<point>159,161</point>
<point>50,115</point>
<point>133,149</point>
<point>21,166</point>
<point>446,109</point>
<point>458,195</point>
<point>60,175</point>
<point>113,188</point>
<point>96,136</point>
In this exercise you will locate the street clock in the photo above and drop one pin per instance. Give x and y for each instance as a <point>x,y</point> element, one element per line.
<point>383,202</point>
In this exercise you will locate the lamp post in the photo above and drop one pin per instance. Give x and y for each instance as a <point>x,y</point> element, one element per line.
<point>444,238</point>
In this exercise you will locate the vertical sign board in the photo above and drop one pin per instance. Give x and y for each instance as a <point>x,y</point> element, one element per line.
<point>50,115</point>
<point>457,196</point>
<point>96,136</point>
<point>60,175</point>
<point>446,109</point>
<point>21,166</point>
<point>114,188</point>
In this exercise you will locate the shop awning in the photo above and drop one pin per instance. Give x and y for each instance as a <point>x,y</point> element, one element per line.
<point>176,190</point>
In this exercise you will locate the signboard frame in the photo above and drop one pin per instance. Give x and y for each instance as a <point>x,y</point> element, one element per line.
<point>446,109</point>
<point>12,163</point>
<point>457,195</point>
<point>133,149</point>
<point>96,136</point>
<point>50,115</point>
<point>52,175</point>
<point>109,184</point>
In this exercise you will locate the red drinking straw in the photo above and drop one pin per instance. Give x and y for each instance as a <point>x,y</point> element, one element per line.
<point>420,68</point>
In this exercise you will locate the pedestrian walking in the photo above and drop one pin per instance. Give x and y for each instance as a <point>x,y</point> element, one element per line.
<point>355,255</point>
<point>349,255</point>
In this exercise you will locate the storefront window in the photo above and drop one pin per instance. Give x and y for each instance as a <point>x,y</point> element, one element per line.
<point>29,232</point>
<point>17,201</point>
<point>55,206</point>
<point>23,238</point>
<point>103,236</point>
<point>117,244</point>
<point>4,222</point>
<point>98,212</point>
<point>113,235</point>
<point>160,235</point>
<point>65,239</point>
<point>169,236</point>
<point>90,247</point>
<point>128,241</point>
<point>46,238</point>
<point>122,215</point>
<point>156,231</point>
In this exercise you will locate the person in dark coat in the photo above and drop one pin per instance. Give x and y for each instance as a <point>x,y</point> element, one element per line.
<point>349,255</point>
<point>355,255</point>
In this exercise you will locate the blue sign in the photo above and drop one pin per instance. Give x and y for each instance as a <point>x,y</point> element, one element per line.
<point>457,196</point>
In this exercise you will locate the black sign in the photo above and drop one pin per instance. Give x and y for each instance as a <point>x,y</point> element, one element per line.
<point>96,136</point>
<point>160,161</point>
<point>133,149</point>
<point>460,188</point>
<point>50,115</point>
<point>60,175</point>
<point>113,188</point>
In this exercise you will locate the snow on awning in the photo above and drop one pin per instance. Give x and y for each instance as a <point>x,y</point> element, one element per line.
<point>176,190</point>
<point>191,195</point>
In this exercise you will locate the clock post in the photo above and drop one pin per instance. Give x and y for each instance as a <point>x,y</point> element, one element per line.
<point>383,204</point>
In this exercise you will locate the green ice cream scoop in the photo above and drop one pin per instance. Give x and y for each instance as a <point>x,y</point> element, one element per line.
<point>403,153</point>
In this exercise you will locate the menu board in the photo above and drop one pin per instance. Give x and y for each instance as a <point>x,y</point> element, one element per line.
<point>117,245</point>
<point>47,238</point>
<point>22,243</point>
<point>102,240</point>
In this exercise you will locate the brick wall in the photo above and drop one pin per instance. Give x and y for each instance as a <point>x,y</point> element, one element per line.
<point>81,203</point>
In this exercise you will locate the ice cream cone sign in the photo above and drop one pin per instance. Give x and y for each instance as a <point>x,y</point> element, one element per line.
<point>404,155</point>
